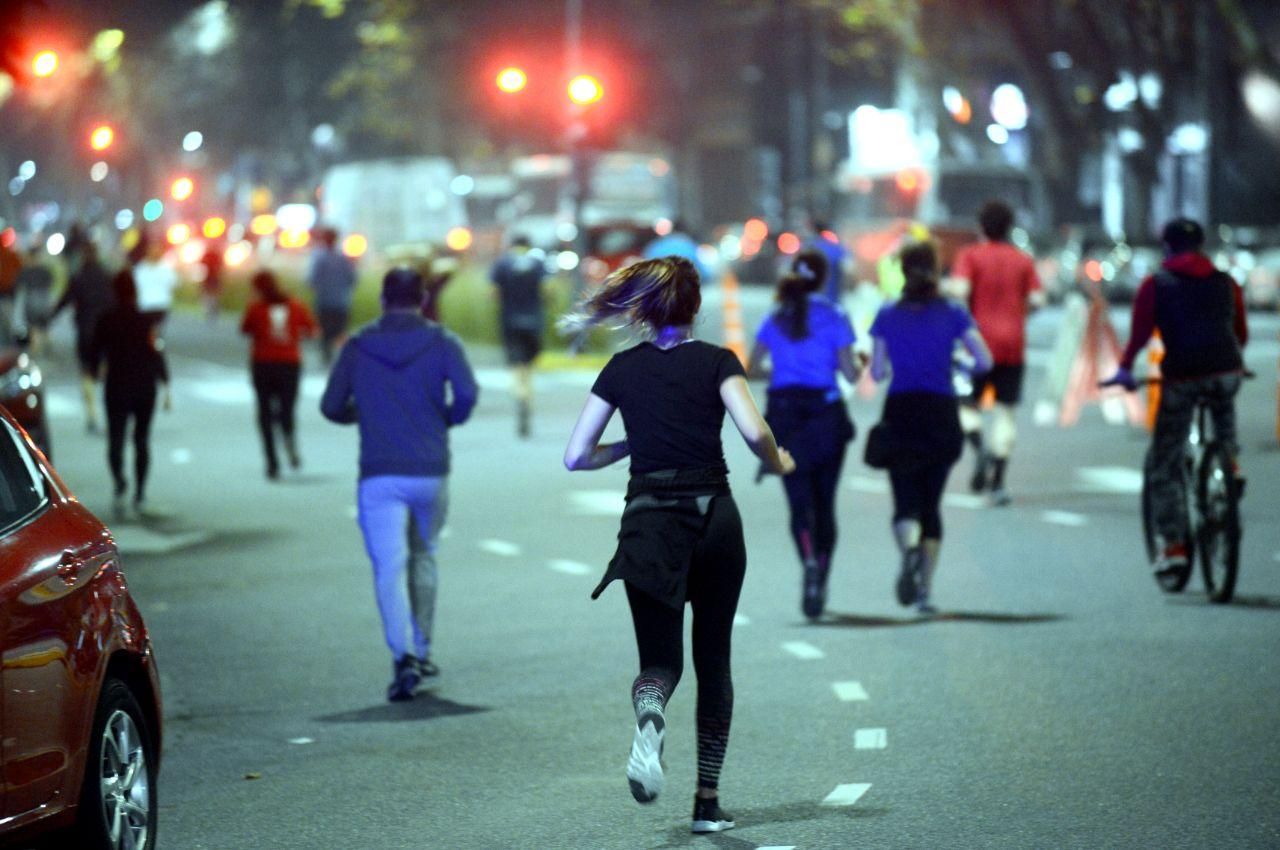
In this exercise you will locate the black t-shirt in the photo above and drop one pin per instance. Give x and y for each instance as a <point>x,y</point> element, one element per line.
<point>670,403</point>
<point>518,277</point>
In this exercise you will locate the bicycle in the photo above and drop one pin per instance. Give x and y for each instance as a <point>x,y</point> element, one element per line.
<point>1211,490</point>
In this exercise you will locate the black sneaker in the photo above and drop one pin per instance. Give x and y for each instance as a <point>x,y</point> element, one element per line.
<point>908,587</point>
<point>814,599</point>
<point>644,766</point>
<point>709,817</point>
<point>426,667</point>
<point>404,680</point>
<point>981,469</point>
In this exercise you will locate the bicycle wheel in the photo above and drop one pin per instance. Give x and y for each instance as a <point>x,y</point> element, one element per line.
<point>1150,536</point>
<point>1218,535</point>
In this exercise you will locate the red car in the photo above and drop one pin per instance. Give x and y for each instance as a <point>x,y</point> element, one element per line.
<point>79,693</point>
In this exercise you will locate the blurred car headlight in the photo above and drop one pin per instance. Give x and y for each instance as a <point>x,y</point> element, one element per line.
<point>23,378</point>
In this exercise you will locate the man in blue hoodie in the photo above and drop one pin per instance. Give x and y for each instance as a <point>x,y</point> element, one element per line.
<point>391,380</point>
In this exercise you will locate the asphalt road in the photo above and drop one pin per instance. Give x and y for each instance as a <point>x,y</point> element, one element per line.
<point>1060,700</point>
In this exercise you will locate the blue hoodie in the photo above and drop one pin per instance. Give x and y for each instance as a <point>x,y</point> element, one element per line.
<point>390,379</point>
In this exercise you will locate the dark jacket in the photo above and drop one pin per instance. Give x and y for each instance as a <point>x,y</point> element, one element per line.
<point>125,340</point>
<point>390,378</point>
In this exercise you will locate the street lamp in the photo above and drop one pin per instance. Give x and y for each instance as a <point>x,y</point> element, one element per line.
<point>182,188</point>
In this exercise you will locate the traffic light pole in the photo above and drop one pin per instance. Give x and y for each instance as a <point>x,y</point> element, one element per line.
<point>576,131</point>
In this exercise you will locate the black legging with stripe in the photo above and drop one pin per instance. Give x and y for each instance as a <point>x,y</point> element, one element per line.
<point>715,582</point>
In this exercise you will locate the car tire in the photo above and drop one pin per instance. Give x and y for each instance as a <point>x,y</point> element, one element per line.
<point>118,799</point>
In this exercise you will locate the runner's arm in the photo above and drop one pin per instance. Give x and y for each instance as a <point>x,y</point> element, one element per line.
<point>737,399</point>
<point>977,348</point>
<point>585,451</point>
<point>755,363</point>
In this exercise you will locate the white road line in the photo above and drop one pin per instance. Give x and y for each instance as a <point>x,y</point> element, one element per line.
<point>870,739</point>
<point>778,847</point>
<point>1065,518</point>
<point>180,456</point>
<point>846,795</point>
<point>867,484</point>
<point>597,502</point>
<point>803,651</point>
<point>302,740</point>
<point>505,548</point>
<point>1109,479</point>
<point>850,691</point>
<point>741,620</point>
<point>965,500</point>
<point>573,568</point>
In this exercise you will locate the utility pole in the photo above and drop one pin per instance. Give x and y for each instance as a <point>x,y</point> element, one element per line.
<point>575,139</point>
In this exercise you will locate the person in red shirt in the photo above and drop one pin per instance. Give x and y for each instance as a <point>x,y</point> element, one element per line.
<point>276,323</point>
<point>1200,313</point>
<point>1003,289</point>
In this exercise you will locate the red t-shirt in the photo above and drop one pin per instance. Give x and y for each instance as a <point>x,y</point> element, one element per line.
<point>276,330</point>
<point>1001,278</point>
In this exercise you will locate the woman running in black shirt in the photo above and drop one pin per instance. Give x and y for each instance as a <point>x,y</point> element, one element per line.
<point>681,535</point>
<point>125,340</point>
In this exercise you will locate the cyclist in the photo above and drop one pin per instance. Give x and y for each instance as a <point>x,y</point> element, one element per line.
<point>1199,311</point>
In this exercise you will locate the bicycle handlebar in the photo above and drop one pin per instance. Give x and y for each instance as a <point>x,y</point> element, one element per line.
<point>1246,374</point>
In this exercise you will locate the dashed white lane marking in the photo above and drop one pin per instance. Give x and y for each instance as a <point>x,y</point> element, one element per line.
<point>778,847</point>
<point>803,651</point>
<point>180,456</point>
<point>302,740</point>
<point>965,500</point>
<point>1065,518</point>
<point>1109,479</point>
<point>741,620</point>
<point>573,568</point>
<point>505,548</point>
<point>870,739</point>
<point>850,691</point>
<point>597,502</point>
<point>847,794</point>
<point>866,484</point>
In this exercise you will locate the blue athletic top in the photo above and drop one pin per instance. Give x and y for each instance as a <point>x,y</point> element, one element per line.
<point>812,361</point>
<point>921,338</point>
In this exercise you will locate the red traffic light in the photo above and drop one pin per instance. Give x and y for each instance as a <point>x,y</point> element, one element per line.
<point>44,63</point>
<point>512,80</point>
<point>585,89</point>
<point>101,137</point>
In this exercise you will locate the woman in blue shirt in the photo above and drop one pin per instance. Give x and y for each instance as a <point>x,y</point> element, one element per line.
<point>914,341</point>
<point>809,340</point>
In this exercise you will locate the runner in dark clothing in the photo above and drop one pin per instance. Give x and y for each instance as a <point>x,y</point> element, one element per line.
<point>518,276</point>
<point>125,340</point>
<point>89,294</point>
<point>915,340</point>
<point>681,535</point>
<point>808,340</point>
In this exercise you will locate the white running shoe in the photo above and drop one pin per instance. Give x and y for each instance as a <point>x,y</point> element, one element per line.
<point>644,767</point>
<point>709,817</point>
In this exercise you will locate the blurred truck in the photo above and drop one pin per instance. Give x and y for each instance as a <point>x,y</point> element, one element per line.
<point>393,203</point>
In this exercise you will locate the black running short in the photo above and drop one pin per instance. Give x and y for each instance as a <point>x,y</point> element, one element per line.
<point>1005,378</point>
<point>522,345</point>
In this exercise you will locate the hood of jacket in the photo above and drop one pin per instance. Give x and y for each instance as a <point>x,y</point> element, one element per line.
<point>1190,264</point>
<point>398,339</point>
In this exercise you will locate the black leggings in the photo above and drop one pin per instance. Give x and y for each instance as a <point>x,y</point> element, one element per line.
<point>715,581</point>
<point>139,404</point>
<point>811,494</point>
<point>917,495</point>
<point>276,385</point>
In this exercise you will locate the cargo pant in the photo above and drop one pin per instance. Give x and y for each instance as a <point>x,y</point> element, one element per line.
<point>1168,446</point>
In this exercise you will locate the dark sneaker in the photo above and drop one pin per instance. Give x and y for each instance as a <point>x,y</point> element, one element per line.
<point>426,667</point>
<point>815,596</point>
<point>291,449</point>
<point>981,469</point>
<point>644,766</point>
<point>1172,568</point>
<point>709,817</point>
<point>908,587</point>
<point>1000,497</point>
<point>924,607</point>
<point>404,680</point>
<point>522,419</point>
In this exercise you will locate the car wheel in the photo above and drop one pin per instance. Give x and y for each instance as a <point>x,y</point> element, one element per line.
<point>118,801</point>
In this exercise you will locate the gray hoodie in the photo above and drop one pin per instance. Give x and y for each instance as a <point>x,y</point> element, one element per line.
<point>390,379</point>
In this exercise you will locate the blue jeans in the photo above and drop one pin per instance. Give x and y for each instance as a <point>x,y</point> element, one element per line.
<point>400,517</point>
